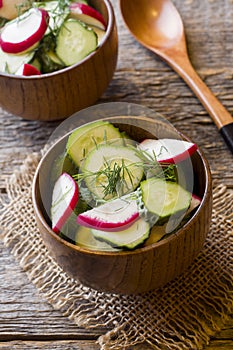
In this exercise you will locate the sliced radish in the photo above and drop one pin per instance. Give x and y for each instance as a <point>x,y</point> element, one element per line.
<point>1,3</point>
<point>25,31</point>
<point>64,200</point>
<point>87,14</point>
<point>195,202</point>
<point>168,150</point>
<point>27,70</point>
<point>114,215</point>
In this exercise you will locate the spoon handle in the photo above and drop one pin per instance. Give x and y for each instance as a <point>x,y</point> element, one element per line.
<point>221,117</point>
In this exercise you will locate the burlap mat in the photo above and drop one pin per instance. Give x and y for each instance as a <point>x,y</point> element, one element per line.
<point>182,315</point>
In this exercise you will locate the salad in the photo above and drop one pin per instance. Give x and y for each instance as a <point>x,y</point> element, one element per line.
<point>112,193</point>
<point>38,37</point>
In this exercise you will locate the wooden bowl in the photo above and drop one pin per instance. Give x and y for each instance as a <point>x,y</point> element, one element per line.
<point>145,268</point>
<point>57,95</point>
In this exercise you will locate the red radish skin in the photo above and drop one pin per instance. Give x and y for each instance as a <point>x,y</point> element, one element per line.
<point>87,14</point>
<point>1,3</point>
<point>168,150</point>
<point>24,32</point>
<point>64,199</point>
<point>28,70</point>
<point>195,202</point>
<point>114,215</point>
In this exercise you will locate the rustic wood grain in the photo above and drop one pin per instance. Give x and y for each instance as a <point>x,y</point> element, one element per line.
<point>27,321</point>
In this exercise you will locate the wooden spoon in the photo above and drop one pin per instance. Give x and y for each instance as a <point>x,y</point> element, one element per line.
<point>157,25</point>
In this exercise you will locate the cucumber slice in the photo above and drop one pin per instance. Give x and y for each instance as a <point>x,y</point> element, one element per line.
<point>111,171</point>
<point>164,198</point>
<point>129,238</point>
<point>85,239</point>
<point>99,32</point>
<point>54,58</point>
<point>85,138</point>
<point>75,41</point>
<point>11,63</point>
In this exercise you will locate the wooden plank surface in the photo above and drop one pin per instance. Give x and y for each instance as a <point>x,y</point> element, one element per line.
<point>27,321</point>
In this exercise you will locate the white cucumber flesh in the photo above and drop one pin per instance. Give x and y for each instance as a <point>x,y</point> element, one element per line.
<point>107,158</point>
<point>164,198</point>
<point>129,238</point>
<point>75,41</point>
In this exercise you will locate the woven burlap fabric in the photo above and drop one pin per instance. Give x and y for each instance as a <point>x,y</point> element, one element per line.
<point>182,315</point>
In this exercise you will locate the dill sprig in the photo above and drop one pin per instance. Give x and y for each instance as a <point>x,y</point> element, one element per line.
<point>115,175</point>
<point>153,168</point>
<point>23,6</point>
<point>115,178</point>
<point>111,177</point>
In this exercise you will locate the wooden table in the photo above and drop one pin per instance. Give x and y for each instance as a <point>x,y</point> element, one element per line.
<point>26,320</point>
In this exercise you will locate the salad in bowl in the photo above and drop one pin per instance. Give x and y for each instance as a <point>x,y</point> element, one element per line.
<point>123,202</point>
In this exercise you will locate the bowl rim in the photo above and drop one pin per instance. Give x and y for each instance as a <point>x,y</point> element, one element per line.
<point>110,27</point>
<point>162,242</point>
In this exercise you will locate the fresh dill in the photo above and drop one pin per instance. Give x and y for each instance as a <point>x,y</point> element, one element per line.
<point>153,168</point>
<point>161,150</point>
<point>23,6</point>
<point>115,178</point>
<point>111,178</point>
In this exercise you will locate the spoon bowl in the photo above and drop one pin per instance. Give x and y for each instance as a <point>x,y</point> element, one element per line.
<point>158,18</point>
<point>157,25</point>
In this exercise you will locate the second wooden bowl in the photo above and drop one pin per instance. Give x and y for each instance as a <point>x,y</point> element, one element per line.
<point>57,95</point>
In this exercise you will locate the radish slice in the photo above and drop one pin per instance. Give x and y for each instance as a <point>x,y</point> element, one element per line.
<point>64,200</point>
<point>195,202</point>
<point>168,150</point>
<point>87,14</point>
<point>114,215</point>
<point>25,31</point>
<point>27,70</point>
<point>1,3</point>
